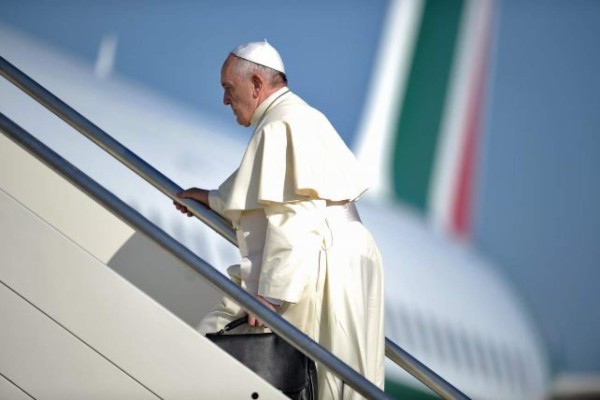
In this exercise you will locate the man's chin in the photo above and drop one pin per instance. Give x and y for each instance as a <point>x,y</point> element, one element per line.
<point>242,122</point>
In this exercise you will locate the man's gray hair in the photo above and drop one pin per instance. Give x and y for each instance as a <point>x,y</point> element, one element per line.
<point>244,68</point>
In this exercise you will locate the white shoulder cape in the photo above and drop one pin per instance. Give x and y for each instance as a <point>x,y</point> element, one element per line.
<point>294,154</point>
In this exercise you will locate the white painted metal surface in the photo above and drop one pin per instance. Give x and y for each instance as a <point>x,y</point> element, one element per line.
<point>73,328</point>
<point>151,269</point>
<point>9,391</point>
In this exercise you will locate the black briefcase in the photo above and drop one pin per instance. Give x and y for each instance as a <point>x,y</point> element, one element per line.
<point>271,358</point>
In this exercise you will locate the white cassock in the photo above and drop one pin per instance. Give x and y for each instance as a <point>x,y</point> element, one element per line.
<point>300,238</point>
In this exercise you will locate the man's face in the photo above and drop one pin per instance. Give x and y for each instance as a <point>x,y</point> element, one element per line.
<point>238,93</point>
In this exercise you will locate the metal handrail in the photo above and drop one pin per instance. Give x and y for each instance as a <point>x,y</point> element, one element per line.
<point>402,358</point>
<point>279,325</point>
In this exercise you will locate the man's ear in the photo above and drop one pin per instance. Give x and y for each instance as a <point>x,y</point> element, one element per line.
<point>257,84</point>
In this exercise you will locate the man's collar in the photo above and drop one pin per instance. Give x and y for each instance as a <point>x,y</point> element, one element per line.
<point>264,106</point>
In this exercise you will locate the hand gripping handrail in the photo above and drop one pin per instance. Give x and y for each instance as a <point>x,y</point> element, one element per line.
<point>210,218</point>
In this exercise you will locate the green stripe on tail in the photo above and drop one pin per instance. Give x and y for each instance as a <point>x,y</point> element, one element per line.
<point>419,123</point>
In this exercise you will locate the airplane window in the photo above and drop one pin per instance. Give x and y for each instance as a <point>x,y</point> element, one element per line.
<point>155,217</point>
<point>390,320</point>
<point>469,358</point>
<point>522,373</point>
<point>203,245</point>
<point>495,361</point>
<point>392,326</point>
<point>454,347</point>
<point>438,340</point>
<point>177,229</point>
<point>421,333</point>
<point>509,367</point>
<point>481,356</point>
<point>398,326</point>
<point>407,328</point>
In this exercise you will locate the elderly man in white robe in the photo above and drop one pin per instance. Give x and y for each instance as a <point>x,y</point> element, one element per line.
<point>304,251</point>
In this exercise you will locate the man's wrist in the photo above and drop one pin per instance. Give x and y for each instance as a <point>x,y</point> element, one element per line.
<point>275,302</point>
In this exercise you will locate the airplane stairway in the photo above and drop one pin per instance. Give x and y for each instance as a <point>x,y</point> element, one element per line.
<point>97,302</point>
<point>72,327</point>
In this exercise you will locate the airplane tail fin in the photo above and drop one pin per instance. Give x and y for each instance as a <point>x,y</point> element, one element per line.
<point>419,134</point>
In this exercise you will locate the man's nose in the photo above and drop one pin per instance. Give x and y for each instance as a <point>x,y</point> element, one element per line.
<point>226,100</point>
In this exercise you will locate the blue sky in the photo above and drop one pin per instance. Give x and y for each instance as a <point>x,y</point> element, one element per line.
<point>178,47</point>
<point>538,187</point>
<point>537,208</point>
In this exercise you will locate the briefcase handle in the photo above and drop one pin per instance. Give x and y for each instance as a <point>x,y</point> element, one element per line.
<point>233,324</point>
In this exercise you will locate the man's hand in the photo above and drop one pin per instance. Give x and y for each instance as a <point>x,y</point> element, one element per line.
<point>253,321</point>
<point>200,195</point>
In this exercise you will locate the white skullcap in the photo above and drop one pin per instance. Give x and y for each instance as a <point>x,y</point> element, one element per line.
<point>260,53</point>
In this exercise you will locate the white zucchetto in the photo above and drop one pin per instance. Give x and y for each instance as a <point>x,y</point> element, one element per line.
<point>260,53</point>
